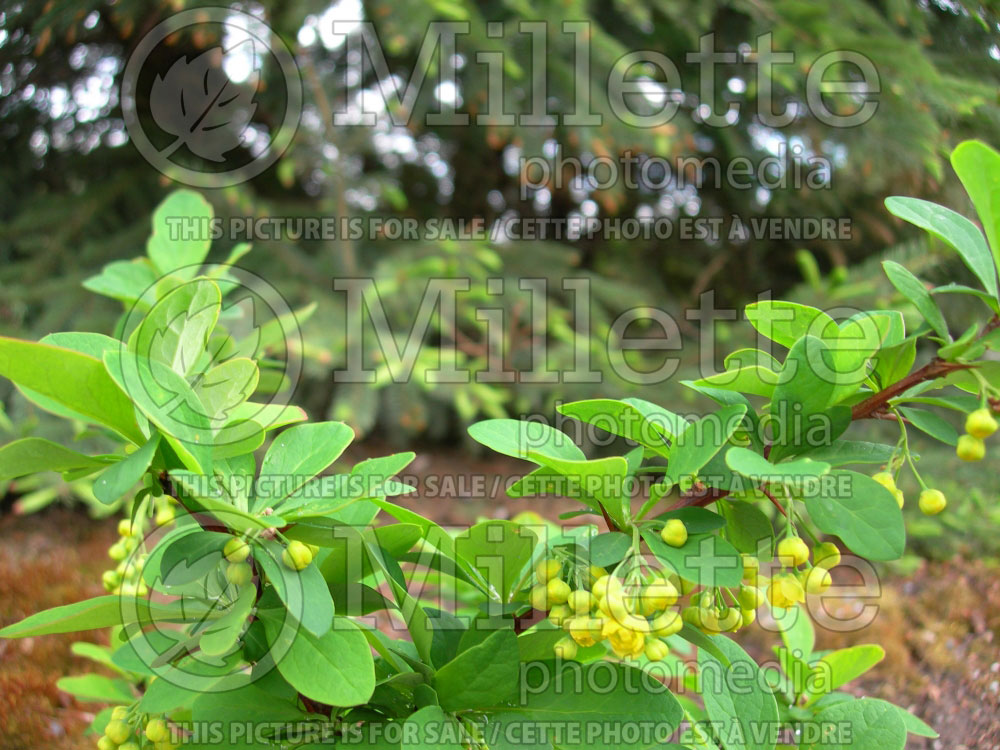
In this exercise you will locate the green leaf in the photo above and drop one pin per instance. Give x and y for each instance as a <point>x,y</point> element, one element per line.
<point>418,623</point>
<point>206,494</point>
<point>435,536</point>
<point>701,440</point>
<point>336,668</point>
<point>348,559</point>
<point>609,548</point>
<point>979,294</point>
<point>175,331</point>
<point>751,358</point>
<point>787,322</point>
<point>754,466</point>
<point>74,380</point>
<point>623,419</point>
<point>297,455</point>
<point>99,612</point>
<point>171,247</point>
<point>268,416</point>
<point>166,399</point>
<point>98,654</point>
<point>93,687</point>
<point>859,724</point>
<point>186,557</point>
<point>598,482</point>
<point>705,558</point>
<point>839,667</point>
<point>664,420</point>
<point>748,529</point>
<point>797,631</point>
<point>858,339</point>
<point>805,391</point>
<point>978,167</point>
<point>737,699</point>
<point>32,455</point>
<point>250,703</point>
<point>222,635</point>
<point>120,477</point>
<point>859,510</point>
<point>499,550</point>
<point>844,452</point>
<point>934,425</point>
<point>555,703</point>
<point>795,669</point>
<point>430,728</point>
<point>516,438</point>
<point>357,599</point>
<point>332,496</point>
<point>756,380</point>
<point>123,280</point>
<point>226,386</point>
<point>916,726</point>
<point>894,363</point>
<point>304,592</point>
<point>483,675</point>
<point>914,290</point>
<point>953,228</point>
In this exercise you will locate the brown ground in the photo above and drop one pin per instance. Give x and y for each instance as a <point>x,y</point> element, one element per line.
<point>940,627</point>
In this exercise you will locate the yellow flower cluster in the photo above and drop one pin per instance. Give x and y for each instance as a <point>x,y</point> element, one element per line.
<point>126,578</point>
<point>789,587</point>
<point>710,613</point>
<point>979,425</point>
<point>121,732</point>
<point>630,617</point>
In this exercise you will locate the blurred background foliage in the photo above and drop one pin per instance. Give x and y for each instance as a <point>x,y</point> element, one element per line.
<point>75,194</point>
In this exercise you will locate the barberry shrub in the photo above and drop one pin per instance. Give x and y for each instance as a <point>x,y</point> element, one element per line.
<point>257,603</point>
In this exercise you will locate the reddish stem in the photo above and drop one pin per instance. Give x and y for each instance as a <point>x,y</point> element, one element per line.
<point>873,407</point>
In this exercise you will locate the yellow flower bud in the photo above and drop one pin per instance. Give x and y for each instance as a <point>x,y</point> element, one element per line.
<point>559,591</point>
<point>980,423</point>
<point>117,731</point>
<point>885,479</point>
<point>565,648</point>
<point>157,730</point>
<point>297,555</point>
<point>932,502</point>
<point>580,601</point>
<point>547,569</point>
<point>597,573</point>
<point>970,448</point>
<point>600,587</point>
<point>659,594</point>
<point>792,552</point>
<point>826,555</point>
<point>238,574</point>
<point>666,623</point>
<point>540,597</point>
<point>818,580</point>
<point>655,649</point>
<point>559,613</point>
<point>674,533</point>
<point>750,597</point>
<point>236,550</point>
